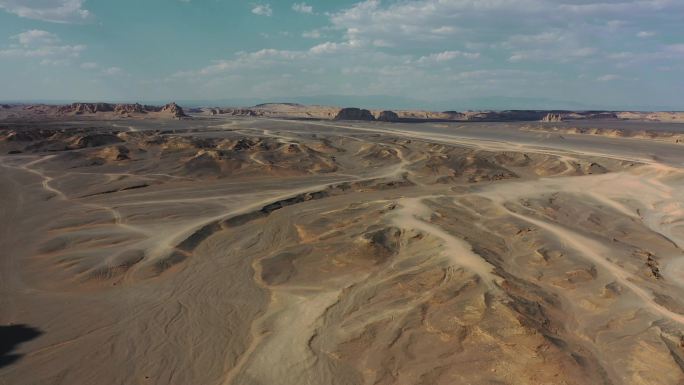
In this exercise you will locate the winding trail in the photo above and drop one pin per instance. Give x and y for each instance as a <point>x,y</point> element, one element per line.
<point>45,178</point>
<point>413,214</point>
<point>597,253</point>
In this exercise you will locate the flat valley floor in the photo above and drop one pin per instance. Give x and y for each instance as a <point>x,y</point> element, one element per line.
<point>239,251</point>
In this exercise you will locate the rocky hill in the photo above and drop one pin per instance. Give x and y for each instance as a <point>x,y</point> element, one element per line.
<point>388,116</point>
<point>174,110</point>
<point>353,113</point>
<point>103,111</point>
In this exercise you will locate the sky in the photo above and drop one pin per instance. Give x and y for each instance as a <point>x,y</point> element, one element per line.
<point>440,54</point>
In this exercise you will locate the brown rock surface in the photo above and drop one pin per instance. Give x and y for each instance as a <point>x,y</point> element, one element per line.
<point>353,113</point>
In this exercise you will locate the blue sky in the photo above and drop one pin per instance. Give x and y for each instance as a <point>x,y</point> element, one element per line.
<point>441,53</point>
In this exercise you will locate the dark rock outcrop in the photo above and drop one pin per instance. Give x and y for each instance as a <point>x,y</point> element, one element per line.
<point>506,116</point>
<point>454,115</point>
<point>388,116</point>
<point>354,114</point>
<point>96,140</point>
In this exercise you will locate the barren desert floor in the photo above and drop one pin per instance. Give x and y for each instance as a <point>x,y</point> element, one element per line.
<point>251,251</point>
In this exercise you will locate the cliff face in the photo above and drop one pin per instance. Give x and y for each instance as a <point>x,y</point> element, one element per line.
<point>85,108</point>
<point>552,118</point>
<point>583,115</point>
<point>388,116</point>
<point>130,109</point>
<point>354,114</point>
<point>94,108</point>
<point>171,110</point>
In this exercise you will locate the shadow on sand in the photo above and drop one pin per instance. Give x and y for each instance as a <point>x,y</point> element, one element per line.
<point>11,337</point>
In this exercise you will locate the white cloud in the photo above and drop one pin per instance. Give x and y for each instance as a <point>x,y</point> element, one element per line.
<point>608,78</point>
<point>262,10</point>
<point>89,66</point>
<point>302,8</point>
<point>54,62</point>
<point>373,53</point>
<point>41,44</point>
<point>518,57</point>
<point>364,70</point>
<point>447,56</point>
<point>645,34</point>
<point>454,24</point>
<point>36,36</point>
<point>243,61</point>
<point>563,55</point>
<point>614,7</point>
<point>443,30</point>
<point>332,47</point>
<point>494,74</point>
<point>112,71</point>
<point>546,37</point>
<point>621,55</point>
<point>56,11</point>
<point>64,50</point>
<point>413,20</point>
<point>313,34</point>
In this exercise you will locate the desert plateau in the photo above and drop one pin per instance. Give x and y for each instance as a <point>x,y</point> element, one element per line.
<point>174,247</point>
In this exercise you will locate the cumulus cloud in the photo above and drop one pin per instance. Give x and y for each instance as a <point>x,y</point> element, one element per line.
<point>544,37</point>
<point>41,44</point>
<point>262,10</point>
<point>447,56</point>
<point>365,70</point>
<point>302,8</point>
<point>332,47</point>
<point>243,61</point>
<point>611,8</point>
<point>560,55</point>
<point>36,36</point>
<point>413,45</point>
<point>56,11</point>
<point>456,23</point>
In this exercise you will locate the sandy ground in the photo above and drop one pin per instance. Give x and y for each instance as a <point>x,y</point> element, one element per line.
<point>231,250</point>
